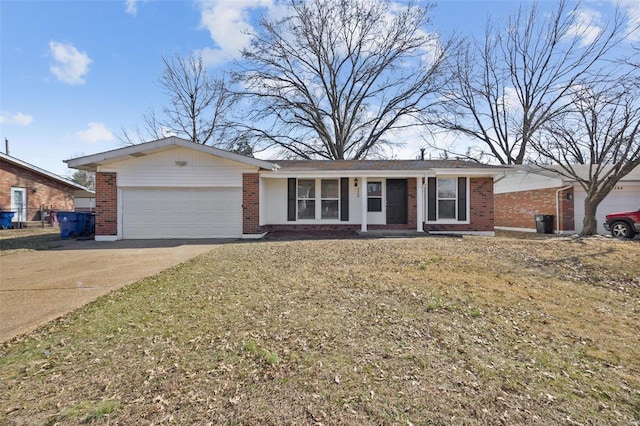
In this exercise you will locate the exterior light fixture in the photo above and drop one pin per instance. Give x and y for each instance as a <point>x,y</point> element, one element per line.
<point>355,182</point>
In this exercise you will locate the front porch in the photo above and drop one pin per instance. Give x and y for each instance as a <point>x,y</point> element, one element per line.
<point>334,203</point>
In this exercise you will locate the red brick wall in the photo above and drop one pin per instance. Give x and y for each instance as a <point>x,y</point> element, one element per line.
<point>481,209</point>
<point>250,203</point>
<point>49,193</point>
<point>412,205</point>
<point>106,204</point>
<point>314,227</point>
<point>516,209</point>
<point>566,210</point>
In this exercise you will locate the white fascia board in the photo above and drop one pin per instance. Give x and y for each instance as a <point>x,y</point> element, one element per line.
<point>470,172</point>
<point>91,162</point>
<point>343,173</point>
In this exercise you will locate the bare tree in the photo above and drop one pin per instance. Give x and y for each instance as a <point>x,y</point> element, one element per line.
<point>153,129</point>
<point>335,79</point>
<point>84,178</point>
<point>198,108</point>
<point>507,85</point>
<point>601,130</point>
<point>199,104</point>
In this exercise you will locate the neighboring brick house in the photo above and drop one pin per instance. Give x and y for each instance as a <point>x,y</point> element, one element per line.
<point>532,190</point>
<point>173,188</point>
<point>25,189</point>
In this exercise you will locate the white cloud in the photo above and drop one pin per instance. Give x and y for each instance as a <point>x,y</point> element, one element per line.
<point>586,26</point>
<point>132,7</point>
<point>96,132</point>
<point>19,119</point>
<point>632,7</point>
<point>228,23</point>
<point>71,66</point>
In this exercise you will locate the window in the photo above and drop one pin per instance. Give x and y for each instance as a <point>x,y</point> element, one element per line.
<point>306,199</point>
<point>374,196</point>
<point>446,198</point>
<point>329,198</point>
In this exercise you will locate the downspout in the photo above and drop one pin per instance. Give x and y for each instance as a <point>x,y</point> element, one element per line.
<point>558,206</point>
<point>504,175</point>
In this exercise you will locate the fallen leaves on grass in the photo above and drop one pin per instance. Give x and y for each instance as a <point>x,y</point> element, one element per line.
<point>400,331</point>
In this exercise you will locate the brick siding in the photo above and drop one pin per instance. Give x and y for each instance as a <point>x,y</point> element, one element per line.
<point>250,203</point>
<point>311,227</point>
<point>412,206</point>
<point>106,204</point>
<point>517,209</point>
<point>481,209</point>
<point>49,193</point>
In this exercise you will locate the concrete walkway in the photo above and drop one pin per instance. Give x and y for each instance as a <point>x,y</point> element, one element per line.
<point>37,287</point>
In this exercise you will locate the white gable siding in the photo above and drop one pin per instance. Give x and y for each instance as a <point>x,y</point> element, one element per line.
<point>160,169</point>
<point>525,182</point>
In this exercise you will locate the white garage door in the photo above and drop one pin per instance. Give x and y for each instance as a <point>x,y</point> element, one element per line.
<point>626,198</point>
<point>181,213</point>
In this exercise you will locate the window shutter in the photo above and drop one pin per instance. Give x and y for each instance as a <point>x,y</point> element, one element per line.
<point>462,198</point>
<point>291,199</point>
<point>344,199</point>
<point>431,198</point>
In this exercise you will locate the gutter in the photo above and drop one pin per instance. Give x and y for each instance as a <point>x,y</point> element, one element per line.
<point>504,175</point>
<point>558,207</point>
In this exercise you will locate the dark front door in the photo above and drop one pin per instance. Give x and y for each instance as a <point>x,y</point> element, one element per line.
<point>396,201</point>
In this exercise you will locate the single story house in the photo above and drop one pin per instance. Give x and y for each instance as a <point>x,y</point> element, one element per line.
<point>84,200</point>
<point>174,188</point>
<point>533,190</point>
<point>26,189</point>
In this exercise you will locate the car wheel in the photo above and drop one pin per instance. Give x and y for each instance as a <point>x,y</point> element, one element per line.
<point>621,230</point>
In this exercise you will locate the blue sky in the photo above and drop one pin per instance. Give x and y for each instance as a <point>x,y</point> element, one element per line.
<point>74,73</point>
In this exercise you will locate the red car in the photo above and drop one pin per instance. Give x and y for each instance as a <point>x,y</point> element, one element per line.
<point>623,225</point>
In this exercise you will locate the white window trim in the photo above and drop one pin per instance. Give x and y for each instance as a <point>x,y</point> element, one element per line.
<point>318,203</point>
<point>448,221</point>
<point>381,182</point>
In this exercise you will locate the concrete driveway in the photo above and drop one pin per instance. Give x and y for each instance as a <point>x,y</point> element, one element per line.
<point>37,287</point>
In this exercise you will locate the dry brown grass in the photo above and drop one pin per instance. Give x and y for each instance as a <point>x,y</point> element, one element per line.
<point>389,331</point>
<point>28,239</point>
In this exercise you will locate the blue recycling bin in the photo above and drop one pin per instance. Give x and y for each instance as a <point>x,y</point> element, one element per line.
<point>88,223</point>
<point>5,220</point>
<point>92,224</point>
<point>71,225</point>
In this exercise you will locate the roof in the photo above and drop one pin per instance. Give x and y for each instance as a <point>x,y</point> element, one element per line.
<point>582,170</point>
<point>91,162</point>
<point>366,165</point>
<point>42,172</point>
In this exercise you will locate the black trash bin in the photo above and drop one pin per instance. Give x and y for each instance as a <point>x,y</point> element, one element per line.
<point>544,223</point>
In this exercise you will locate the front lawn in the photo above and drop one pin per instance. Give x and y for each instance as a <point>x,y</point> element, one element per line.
<point>365,331</point>
<point>28,239</point>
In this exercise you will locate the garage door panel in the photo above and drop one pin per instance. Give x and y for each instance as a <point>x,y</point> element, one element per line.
<point>181,213</point>
<point>621,199</point>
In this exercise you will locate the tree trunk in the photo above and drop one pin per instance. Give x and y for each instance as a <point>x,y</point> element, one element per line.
<point>590,222</point>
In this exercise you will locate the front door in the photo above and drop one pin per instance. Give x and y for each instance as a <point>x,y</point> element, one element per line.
<point>19,204</point>
<point>396,201</point>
